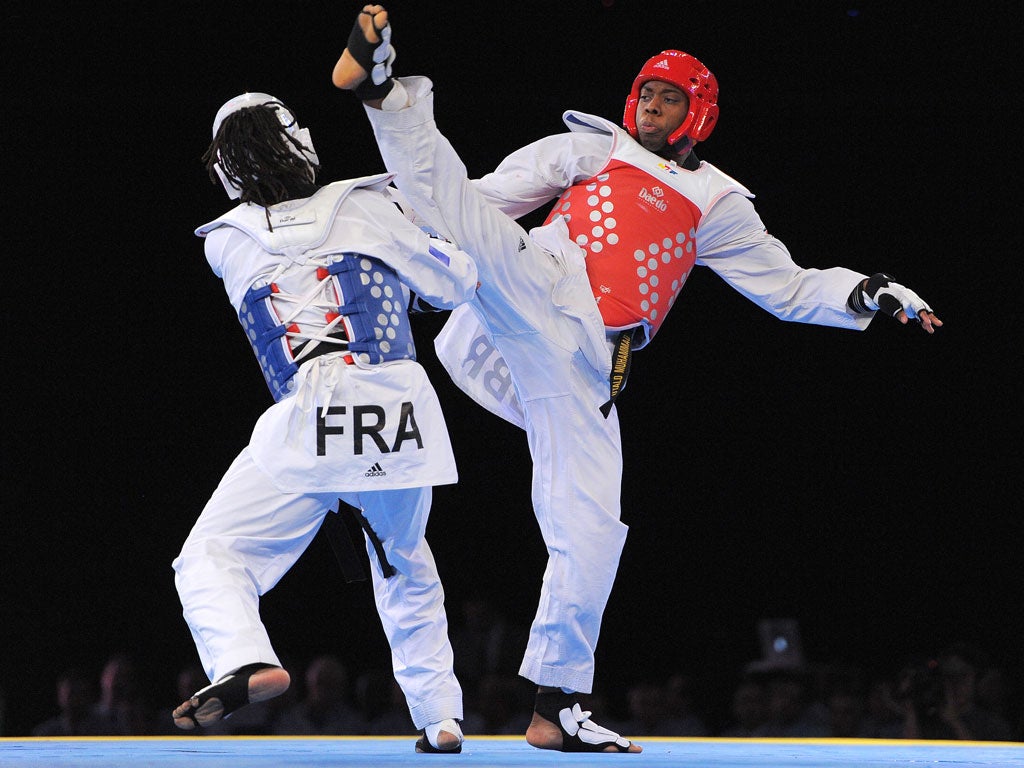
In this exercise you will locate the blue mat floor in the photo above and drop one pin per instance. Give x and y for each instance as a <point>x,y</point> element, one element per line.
<point>346,752</point>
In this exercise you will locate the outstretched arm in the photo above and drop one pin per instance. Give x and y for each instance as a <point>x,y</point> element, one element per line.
<point>732,241</point>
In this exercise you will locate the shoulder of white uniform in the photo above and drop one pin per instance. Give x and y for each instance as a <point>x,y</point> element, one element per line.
<point>252,218</point>
<point>722,181</point>
<point>581,122</point>
<point>376,182</point>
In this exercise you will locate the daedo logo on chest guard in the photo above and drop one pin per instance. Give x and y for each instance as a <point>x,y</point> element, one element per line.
<point>362,422</point>
<point>654,197</point>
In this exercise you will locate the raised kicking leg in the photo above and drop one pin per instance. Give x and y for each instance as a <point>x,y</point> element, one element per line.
<point>559,722</point>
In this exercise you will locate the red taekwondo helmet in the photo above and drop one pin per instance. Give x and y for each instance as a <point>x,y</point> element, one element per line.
<point>687,73</point>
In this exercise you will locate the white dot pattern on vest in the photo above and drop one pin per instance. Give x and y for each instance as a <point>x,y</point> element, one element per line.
<point>588,211</point>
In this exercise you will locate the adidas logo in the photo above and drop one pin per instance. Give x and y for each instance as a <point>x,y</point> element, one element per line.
<point>375,471</point>
<point>522,245</point>
<point>663,64</point>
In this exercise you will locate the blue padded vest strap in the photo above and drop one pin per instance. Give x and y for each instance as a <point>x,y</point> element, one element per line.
<point>373,309</point>
<point>376,323</point>
<point>266,335</point>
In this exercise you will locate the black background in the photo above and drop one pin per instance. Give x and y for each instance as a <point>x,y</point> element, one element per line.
<point>862,483</point>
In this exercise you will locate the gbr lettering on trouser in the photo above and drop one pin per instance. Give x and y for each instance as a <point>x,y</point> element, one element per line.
<point>468,354</point>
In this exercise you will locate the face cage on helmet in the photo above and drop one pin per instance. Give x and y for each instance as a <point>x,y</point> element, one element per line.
<point>697,83</point>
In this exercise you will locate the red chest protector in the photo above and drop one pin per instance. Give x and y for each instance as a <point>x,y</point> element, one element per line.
<point>639,239</point>
<point>636,221</point>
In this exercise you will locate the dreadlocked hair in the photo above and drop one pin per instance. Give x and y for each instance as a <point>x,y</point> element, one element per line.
<point>256,154</point>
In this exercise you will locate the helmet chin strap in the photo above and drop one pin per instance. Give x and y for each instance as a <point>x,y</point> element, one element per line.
<point>233,192</point>
<point>681,147</point>
<point>678,151</point>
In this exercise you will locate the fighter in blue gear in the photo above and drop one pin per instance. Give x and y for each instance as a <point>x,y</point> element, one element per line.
<point>321,279</point>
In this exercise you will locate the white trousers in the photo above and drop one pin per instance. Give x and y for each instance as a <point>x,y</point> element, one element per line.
<point>576,453</point>
<point>250,534</point>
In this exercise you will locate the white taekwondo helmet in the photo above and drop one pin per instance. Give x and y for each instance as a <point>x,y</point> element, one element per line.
<point>308,153</point>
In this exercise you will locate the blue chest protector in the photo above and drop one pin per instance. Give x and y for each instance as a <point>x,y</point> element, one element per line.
<point>369,321</point>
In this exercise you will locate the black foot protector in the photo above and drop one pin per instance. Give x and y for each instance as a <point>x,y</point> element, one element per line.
<point>579,732</point>
<point>232,693</point>
<point>424,746</point>
<point>375,58</point>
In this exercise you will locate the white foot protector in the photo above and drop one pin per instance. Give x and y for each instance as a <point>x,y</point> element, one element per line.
<point>432,731</point>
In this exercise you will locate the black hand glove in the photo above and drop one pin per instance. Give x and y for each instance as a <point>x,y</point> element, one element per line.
<point>881,293</point>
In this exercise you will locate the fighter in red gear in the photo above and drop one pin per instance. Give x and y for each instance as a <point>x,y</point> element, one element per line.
<point>546,340</point>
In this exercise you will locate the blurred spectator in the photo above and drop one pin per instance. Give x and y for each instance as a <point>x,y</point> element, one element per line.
<point>662,710</point>
<point>959,668</point>
<point>325,708</point>
<point>955,695</point>
<point>883,716</point>
<point>484,643</point>
<point>382,704</point>
<point>791,711</point>
<point>841,700</point>
<point>120,710</point>
<point>918,693</point>
<point>645,705</point>
<point>683,715</point>
<point>939,699</point>
<point>75,699</point>
<point>993,692</point>
<point>749,710</point>
<point>846,707</point>
<point>501,705</point>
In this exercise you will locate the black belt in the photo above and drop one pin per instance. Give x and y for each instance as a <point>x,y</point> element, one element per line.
<point>621,358</point>
<point>323,348</point>
<point>345,532</point>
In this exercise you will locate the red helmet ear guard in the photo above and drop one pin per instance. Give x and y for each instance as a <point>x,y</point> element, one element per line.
<point>694,79</point>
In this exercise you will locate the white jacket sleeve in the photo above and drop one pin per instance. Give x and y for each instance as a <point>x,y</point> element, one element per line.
<point>541,171</point>
<point>436,270</point>
<point>732,241</point>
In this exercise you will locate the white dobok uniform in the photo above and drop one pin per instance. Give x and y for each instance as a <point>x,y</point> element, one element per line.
<point>344,427</point>
<point>534,346</point>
